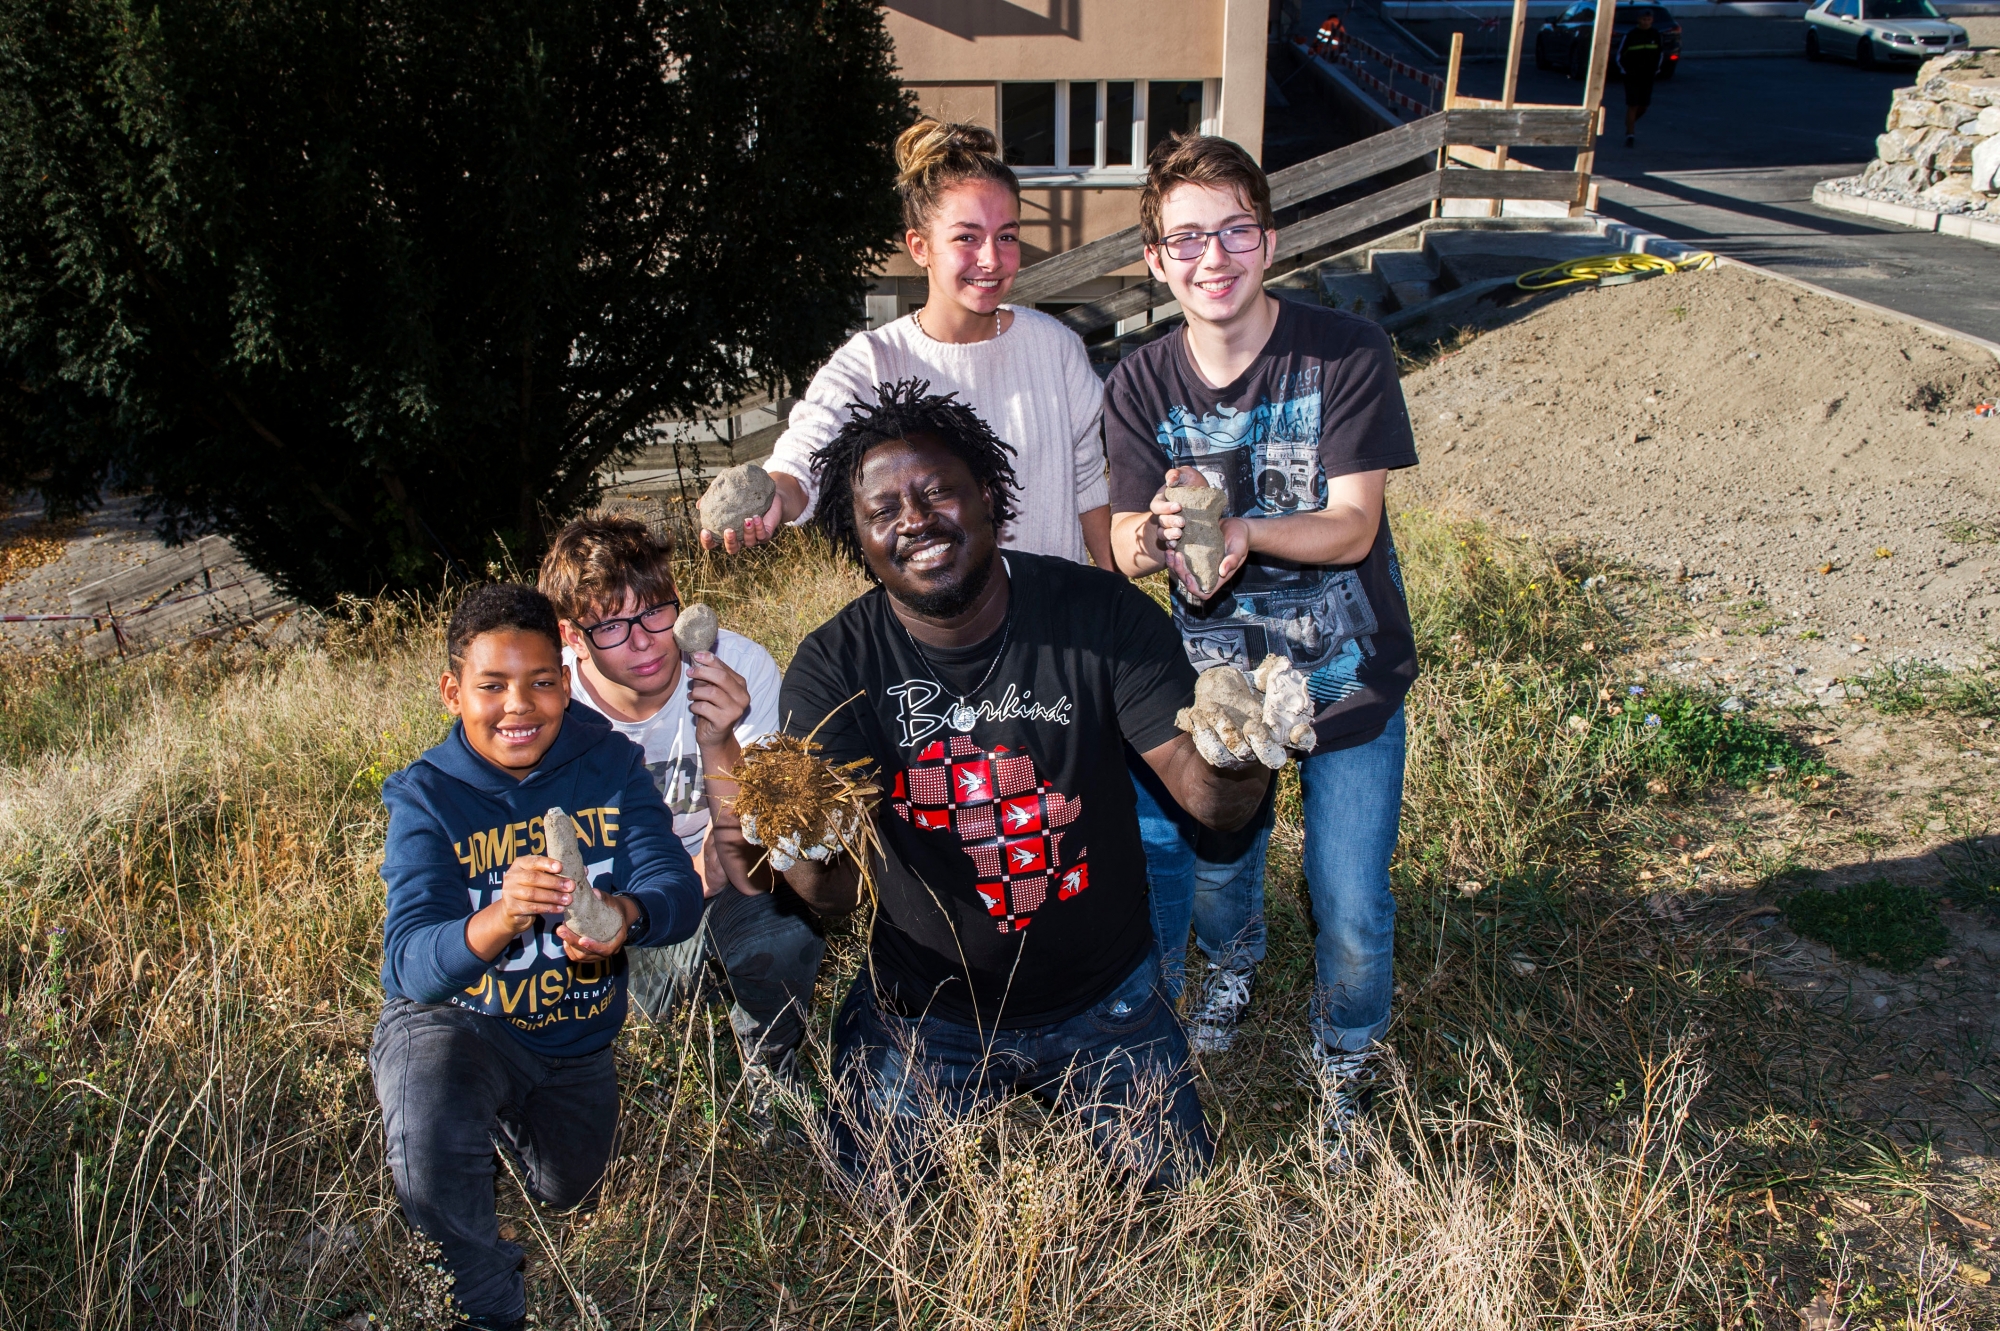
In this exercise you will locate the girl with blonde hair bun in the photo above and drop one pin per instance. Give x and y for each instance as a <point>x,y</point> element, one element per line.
<point>1024,373</point>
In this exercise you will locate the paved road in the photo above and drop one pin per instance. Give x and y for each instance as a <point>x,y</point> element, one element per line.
<point>1727,159</point>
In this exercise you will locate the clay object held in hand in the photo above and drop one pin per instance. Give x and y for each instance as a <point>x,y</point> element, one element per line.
<point>1227,722</point>
<point>738,494</point>
<point>1201,540</point>
<point>1288,708</point>
<point>696,629</point>
<point>589,914</point>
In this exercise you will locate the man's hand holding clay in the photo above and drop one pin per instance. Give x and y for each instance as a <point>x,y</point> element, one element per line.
<point>1177,540</point>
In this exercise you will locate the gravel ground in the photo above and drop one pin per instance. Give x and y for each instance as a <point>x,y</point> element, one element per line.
<point>1810,477</point>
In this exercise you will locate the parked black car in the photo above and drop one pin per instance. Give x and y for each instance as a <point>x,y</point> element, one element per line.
<point>1564,41</point>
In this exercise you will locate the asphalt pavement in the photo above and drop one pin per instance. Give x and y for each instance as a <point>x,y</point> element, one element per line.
<point>1728,156</point>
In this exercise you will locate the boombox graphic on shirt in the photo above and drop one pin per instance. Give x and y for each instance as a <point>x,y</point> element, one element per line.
<point>1006,818</point>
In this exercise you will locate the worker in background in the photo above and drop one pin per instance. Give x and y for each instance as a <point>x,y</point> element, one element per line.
<point>1332,36</point>
<point>1639,57</point>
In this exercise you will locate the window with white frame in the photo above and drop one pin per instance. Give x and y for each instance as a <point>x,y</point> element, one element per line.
<point>1074,126</point>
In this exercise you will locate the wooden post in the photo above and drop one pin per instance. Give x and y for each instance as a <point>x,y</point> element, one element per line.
<point>1509,84</point>
<point>1593,87</point>
<point>1450,96</point>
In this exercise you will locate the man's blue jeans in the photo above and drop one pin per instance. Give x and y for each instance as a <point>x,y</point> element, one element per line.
<point>1120,1068</point>
<point>768,949</point>
<point>1215,882</point>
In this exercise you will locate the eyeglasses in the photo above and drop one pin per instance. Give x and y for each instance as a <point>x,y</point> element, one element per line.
<point>1193,244</point>
<point>608,633</point>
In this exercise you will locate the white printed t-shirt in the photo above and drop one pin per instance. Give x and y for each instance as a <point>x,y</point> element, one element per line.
<point>672,755</point>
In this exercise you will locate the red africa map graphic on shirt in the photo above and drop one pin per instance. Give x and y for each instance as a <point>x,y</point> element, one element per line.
<point>1007,819</point>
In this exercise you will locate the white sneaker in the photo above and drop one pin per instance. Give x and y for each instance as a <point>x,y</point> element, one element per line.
<point>1346,1085</point>
<point>1225,996</point>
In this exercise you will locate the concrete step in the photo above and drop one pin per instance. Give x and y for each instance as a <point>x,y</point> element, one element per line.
<point>1465,257</point>
<point>1411,275</point>
<point>1362,292</point>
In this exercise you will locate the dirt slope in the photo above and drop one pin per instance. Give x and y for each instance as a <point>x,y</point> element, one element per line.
<point>1813,462</point>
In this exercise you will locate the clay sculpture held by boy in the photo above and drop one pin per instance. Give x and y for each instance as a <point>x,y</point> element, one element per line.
<point>499,1017</point>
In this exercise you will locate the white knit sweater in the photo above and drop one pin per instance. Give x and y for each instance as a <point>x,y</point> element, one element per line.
<point>1033,384</point>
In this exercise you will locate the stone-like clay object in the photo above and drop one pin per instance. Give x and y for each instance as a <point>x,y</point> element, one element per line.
<point>736,495</point>
<point>589,914</point>
<point>1227,721</point>
<point>1288,708</point>
<point>696,629</point>
<point>1201,541</point>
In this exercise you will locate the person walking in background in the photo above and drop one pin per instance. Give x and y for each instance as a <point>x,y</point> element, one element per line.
<point>1295,412</point>
<point>1639,61</point>
<point>1025,373</point>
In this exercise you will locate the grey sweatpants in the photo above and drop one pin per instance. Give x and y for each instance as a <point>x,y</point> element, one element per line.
<point>768,948</point>
<point>454,1085</point>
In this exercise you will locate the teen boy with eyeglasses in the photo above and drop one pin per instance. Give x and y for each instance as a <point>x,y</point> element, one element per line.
<point>1295,411</point>
<point>611,580</point>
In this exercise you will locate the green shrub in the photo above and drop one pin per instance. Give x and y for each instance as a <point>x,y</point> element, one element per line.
<point>1891,925</point>
<point>1907,687</point>
<point>1686,740</point>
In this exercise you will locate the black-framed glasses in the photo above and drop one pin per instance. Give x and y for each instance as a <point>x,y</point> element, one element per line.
<point>1193,244</point>
<point>608,633</point>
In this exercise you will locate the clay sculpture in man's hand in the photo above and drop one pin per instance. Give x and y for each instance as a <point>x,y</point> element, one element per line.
<point>1235,724</point>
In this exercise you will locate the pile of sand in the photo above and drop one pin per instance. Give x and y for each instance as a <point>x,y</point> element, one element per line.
<point>1771,447</point>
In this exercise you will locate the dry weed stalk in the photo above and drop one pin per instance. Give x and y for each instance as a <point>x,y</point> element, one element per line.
<point>1469,1214</point>
<point>794,803</point>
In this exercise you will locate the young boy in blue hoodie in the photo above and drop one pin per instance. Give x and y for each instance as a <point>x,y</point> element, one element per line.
<point>498,1019</point>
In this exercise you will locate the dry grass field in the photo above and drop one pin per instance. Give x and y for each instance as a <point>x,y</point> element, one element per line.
<point>1601,1116</point>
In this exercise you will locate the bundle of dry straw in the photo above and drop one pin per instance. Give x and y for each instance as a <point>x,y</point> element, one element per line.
<point>799,805</point>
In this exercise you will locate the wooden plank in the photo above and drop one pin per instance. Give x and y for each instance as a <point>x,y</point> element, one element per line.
<point>1381,206</point>
<point>200,616</point>
<point>1119,305</point>
<point>159,574</point>
<point>1467,155</point>
<point>1532,126</point>
<point>1565,127</point>
<point>1357,161</point>
<point>1039,281</point>
<point>1321,175</point>
<point>1593,85</point>
<point>1564,186</point>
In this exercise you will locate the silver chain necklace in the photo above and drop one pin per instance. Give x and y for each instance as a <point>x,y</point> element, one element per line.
<point>963,715</point>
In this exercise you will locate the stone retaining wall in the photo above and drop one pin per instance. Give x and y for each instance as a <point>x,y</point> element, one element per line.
<point>1941,147</point>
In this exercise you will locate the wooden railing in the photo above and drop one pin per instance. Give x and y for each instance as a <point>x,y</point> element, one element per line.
<point>1547,127</point>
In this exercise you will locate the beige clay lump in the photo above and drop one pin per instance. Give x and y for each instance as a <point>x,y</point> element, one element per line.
<point>734,497</point>
<point>1201,540</point>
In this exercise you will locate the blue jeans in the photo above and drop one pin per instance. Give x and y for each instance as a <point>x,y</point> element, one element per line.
<point>1120,1068</point>
<point>767,949</point>
<point>454,1085</point>
<point>1215,882</point>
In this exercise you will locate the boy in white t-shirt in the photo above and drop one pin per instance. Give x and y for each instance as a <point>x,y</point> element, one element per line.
<point>611,581</point>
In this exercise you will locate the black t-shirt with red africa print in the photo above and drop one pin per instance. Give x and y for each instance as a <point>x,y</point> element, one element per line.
<point>1014,892</point>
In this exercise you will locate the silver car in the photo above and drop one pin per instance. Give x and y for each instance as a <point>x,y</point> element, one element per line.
<point>1875,32</point>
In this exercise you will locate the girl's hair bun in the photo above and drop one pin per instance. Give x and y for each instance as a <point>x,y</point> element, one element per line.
<point>934,155</point>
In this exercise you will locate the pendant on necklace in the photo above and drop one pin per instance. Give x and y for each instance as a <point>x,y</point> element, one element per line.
<point>963,717</point>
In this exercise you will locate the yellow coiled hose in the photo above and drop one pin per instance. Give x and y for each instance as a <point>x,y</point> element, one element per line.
<point>1594,268</point>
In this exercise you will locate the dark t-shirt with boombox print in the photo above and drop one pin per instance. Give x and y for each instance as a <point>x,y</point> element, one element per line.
<point>1321,401</point>
<point>1014,891</point>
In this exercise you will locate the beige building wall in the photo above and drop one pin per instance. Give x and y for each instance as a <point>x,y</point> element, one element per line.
<point>1058,39</point>
<point>954,54</point>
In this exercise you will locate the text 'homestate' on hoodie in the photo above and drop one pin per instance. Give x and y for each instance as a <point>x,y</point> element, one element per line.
<point>457,821</point>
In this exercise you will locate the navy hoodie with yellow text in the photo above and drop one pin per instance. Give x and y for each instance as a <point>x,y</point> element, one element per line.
<point>457,821</point>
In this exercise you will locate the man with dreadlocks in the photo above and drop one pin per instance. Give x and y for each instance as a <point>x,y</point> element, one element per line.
<point>1012,951</point>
